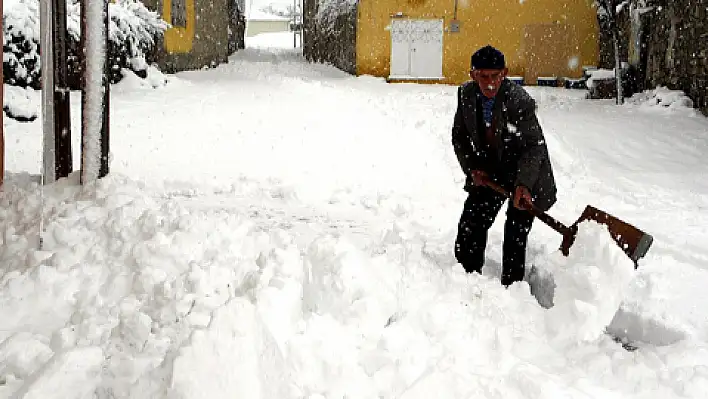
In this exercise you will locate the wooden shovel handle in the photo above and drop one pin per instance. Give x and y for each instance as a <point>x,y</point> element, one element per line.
<point>543,216</point>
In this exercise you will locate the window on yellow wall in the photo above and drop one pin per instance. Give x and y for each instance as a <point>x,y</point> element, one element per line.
<point>179,13</point>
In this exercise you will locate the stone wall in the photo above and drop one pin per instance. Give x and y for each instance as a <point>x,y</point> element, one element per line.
<point>678,48</point>
<point>330,40</point>
<point>671,43</point>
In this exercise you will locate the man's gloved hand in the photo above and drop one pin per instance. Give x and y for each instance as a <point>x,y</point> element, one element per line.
<point>522,198</point>
<point>479,177</point>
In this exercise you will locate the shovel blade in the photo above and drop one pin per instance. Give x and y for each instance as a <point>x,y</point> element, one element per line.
<point>634,242</point>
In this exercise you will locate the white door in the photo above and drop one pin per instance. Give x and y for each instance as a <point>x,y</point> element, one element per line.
<point>416,49</point>
<point>400,48</point>
<point>427,49</point>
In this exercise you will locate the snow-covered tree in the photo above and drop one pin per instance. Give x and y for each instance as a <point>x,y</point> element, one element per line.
<point>608,11</point>
<point>329,10</point>
<point>133,30</point>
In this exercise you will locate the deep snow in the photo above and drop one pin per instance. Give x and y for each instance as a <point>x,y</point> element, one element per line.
<point>275,229</point>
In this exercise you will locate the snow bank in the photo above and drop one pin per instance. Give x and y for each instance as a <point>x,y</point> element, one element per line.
<point>663,100</point>
<point>73,374</point>
<point>599,74</point>
<point>238,338</point>
<point>176,301</point>
<point>20,103</point>
<point>117,271</point>
<point>590,284</point>
<point>154,79</point>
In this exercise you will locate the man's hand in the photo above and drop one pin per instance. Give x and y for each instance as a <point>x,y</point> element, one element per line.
<point>479,177</point>
<point>522,198</point>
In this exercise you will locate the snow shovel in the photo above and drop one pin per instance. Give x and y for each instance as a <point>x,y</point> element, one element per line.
<point>634,242</point>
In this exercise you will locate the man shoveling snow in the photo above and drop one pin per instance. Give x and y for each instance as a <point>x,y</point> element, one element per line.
<point>497,137</point>
<point>501,149</point>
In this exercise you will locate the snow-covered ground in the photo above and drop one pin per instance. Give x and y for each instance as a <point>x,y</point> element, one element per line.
<point>275,229</point>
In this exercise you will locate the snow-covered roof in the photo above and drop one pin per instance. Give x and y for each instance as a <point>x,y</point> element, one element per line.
<point>258,15</point>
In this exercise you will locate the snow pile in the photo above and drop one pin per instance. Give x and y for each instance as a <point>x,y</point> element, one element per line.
<point>125,279</point>
<point>599,74</point>
<point>20,103</point>
<point>236,332</point>
<point>118,271</point>
<point>71,374</point>
<point>142,295</point>
<point>590,284</point>
<point>661,99</point>
<point>154,79</point>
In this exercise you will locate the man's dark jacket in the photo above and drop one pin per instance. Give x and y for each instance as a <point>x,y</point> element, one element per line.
<point>518,156</point>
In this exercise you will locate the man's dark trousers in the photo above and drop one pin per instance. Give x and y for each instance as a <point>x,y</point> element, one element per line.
<point>481,208</point>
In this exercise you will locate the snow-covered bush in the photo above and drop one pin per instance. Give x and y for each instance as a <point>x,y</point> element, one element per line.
<point>663,98</point>
<point>132,34</point>
<point>21,46</point>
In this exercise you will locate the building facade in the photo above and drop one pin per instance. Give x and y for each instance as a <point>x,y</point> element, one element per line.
<point>203,32</point>
<point>433,40</point>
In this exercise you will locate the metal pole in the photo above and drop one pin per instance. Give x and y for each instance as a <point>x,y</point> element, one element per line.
<point>46,46</point>
<point>294,21</point>
<point>62,111</point>
<point>94,90</point>
<point>105,121</point>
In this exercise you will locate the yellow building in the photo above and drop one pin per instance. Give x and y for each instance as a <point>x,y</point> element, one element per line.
<point>432,40</point>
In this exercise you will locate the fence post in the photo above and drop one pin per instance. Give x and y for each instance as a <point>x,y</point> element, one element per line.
<point>62,107</point>
<point>46,46</point>
<point>95,86</point>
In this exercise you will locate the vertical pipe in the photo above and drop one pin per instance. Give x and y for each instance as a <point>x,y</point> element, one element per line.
<point>294,23</point>
<point>94,90</point>
<point>105,121</point>
<point>618,65</point>
<point>62,115</point>
<point>47,64</point>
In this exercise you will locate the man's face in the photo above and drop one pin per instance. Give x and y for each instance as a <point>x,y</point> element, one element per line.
<point>489,80</point>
